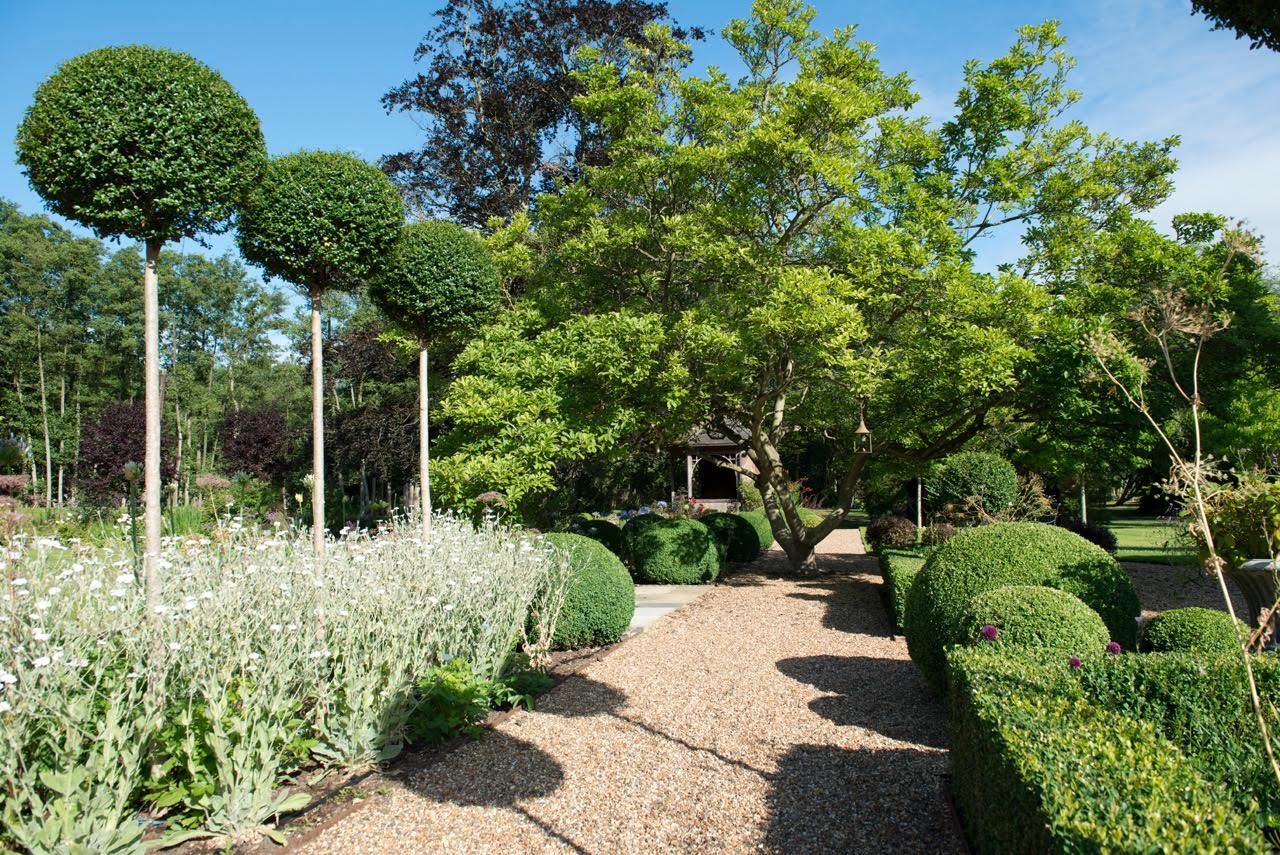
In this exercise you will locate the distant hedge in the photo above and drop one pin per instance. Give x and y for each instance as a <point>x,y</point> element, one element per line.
<point>899,567</point>
<point>674,552</point>
<point>736,537</point>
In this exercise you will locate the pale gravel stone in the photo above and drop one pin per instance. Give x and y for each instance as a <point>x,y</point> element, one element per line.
<point>773,714</point>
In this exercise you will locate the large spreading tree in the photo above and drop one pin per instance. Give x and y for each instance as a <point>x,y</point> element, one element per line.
<point>440,279</point>
<point>320,220</point>
<point>778,254</point>
<point>148,144</point>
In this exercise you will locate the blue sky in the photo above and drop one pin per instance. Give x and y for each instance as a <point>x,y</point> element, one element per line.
<point>314,72</point>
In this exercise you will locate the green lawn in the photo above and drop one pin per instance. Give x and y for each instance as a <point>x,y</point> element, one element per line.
<point>1142,538</point>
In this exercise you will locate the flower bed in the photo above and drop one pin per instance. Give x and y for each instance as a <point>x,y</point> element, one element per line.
<point>252,663</point>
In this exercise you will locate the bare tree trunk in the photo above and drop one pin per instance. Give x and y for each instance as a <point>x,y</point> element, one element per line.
<point>424,444</point>
<point>44,420</point>
<point>151,465</point>
<point>317,432</point>
<point>62,417</point>
<point>177,419</point>
<point>1084,504</point>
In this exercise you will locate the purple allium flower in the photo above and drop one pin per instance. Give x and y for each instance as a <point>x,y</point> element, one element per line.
<point>1113,648</point>
<point>1074,661</point>
<point>990,633</point>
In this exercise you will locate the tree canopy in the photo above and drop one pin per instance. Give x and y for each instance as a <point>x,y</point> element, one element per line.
<point>142,142</point>
<point>1255,20</point>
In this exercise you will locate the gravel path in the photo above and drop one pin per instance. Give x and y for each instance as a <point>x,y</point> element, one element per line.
<point>1161,587</point>
<point>773,714</point>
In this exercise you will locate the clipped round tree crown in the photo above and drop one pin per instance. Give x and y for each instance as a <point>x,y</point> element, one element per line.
<point>141,142</point>
<point>439,277</point>
<point>1033,616</point>
<point>320,218</point>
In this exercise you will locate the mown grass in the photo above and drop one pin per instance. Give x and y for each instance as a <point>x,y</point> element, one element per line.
<point>1154,540</point>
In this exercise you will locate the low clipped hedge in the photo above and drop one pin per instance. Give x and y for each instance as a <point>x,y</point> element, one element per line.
<point>1038,767</point>
<point>1203,630</point>
<point>984,558</point>
<point>1034,616</point>
<point>762,526</point>
<point>600,599</point>
<point>674,552</point>
<point>736,537</point>
<point>899,567</point>
<point>602,530</point>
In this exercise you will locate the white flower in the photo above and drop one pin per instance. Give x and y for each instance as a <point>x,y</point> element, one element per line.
<point>8,679</point>
<point>255,655</point>
<point>251,667</point>
<point>124,579</point>
<point>448,607</point>
<point>161,609</point>
<point>4,707</point>
<point>55,591</point>
<point>292,627</point>
<point>19,582</point>
<point>41,661</point>
<point>42,605</point>
<point>77,663</point>
<point>117,592</point>
<point>475,579</point>
<point>39,634</point>
<point>77,567</point>
<point>173,645</point>
<point>275,627</point>
<point>190,603</point>
<point>206,595</point>
<point>318,654</point>
<point>95,585</point>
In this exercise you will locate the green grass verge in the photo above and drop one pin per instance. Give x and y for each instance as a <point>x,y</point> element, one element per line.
<point>1153,540</point>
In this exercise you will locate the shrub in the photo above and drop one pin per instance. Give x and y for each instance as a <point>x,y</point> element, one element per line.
<point>1033,616</point>
<point>1245,521</point>
<point>116,437</point>
<point>600,598</point>
<point>631,531</point>
<point>899,567</point>
<point>987,557</point>
<point>602,530</point>
<point>972,478</point>
<point>750,493</point>
<point>735,536</point>
<point>1099,535</point>
<point>674,552</point>
<point>762,526</point>
<point>937,534</point>
<point>1191,629</point>
<point>1039,768</point>
<point>891,531</point>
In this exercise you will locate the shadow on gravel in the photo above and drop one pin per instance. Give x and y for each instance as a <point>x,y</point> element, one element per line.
<point>853,604</point>
<point>829,799</point>
<point>887,696</point>
<point>526,772</point>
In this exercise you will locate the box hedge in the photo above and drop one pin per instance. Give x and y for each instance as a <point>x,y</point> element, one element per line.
<point>1040,768</point>
<point>605,531</point>
<point>1033,616</point>
<point>759,522</point>
<point>737,538</point>
<point>993,556</point>
<point>1205,630</point>
<point>600,599</point>
<point>899,567</point>
<point>674,552</point>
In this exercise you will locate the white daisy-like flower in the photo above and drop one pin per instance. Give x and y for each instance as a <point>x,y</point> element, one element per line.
<point>118,592</point>
<point>41,662</point>
<point>124,579</point>
<point>173,645</point>
<point>43,605</point>
<point>40,634</point>
<point>275,627</point>
<point>4,707</point>
<point>95,585</point>
<point>448,607</point>
<point>161,609</point>
<point>7,679</point>
<point>19,582</point>
<point>255,655</point>
<point>318,654</point>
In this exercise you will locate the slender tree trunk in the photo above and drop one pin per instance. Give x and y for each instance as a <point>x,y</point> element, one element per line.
<point>317,431</point>
<point>44,421</point>
<point>919,502</point>
<point>62,421</point>
<point>424,443</point>
<point>1084,504</point>
<point>151,464</point>
<point>177,420</point>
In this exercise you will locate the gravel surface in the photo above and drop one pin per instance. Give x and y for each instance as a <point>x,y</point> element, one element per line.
<point>773,714</point>
<point>1162,587</point>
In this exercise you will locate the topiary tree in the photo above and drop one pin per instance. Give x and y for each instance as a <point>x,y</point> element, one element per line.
<point>600,598</point>
<point>440,278</point>
<point>987,557</point>
<point>152,145</point>
<point>602,530</point>
<point>320,220</point>
<point>972,481</point>
<point>675,552</point>
<point>891,531</point>
<point>737,537</point>
<point>1033,616</point>
<point>1193,629</point>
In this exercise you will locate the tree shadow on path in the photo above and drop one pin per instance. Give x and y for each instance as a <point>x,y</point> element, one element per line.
<point>887,696</point>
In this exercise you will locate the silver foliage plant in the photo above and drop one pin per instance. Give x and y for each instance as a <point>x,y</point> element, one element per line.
<point>248,651</point>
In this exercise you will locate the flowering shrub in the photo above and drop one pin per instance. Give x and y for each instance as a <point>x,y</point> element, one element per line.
<point>251,664</point>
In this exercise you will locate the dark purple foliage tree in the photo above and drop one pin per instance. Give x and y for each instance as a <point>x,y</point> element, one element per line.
<point>258,442</point>
<point>116,437</point>
<point>496,100</point>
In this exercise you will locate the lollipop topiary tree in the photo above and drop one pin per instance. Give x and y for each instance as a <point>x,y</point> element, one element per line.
<point>147,144</point>
<point>320,220</point>
<point>439,279</point>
